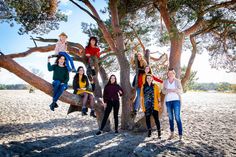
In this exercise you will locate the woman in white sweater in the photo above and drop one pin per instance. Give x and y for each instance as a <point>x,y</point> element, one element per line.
<point>172,89</point>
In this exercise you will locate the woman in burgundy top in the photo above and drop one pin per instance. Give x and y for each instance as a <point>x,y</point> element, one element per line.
<point>111,94</point>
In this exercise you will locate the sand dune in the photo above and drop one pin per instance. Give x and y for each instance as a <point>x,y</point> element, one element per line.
<point>29,128</point>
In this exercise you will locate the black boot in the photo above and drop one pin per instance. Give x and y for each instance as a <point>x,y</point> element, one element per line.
<point>56,105</point>
<point>149,133</point>
<point>52,106</point>
<point>92,113</point>
<point>99,132</point>
<point>84,113</point>
<point>159,134</point>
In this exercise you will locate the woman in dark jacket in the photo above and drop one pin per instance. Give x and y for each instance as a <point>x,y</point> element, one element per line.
<point>82,87</point>
<point>111,94</point>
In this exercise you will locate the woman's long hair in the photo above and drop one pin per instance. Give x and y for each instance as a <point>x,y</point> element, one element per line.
<point>92,38</point>
<point>57,60</point>
<point>109,81</point>
<point>83,76</point>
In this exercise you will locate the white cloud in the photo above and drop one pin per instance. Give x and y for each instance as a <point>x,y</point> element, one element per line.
<point>64,2</point>
<point>67,12</point>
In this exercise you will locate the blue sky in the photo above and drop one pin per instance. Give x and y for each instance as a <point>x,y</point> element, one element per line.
<point>11,42</point>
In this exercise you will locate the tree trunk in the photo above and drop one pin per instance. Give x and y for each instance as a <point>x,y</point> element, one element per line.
<point>175,53</point>
<point>127,121</point>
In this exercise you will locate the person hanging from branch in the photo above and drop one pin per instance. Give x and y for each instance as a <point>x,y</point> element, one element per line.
<point>60,79</point>
<point>138,63</point>
<point>84,89</point>
<point>151,103</point>
<point>61,49</point>
<point>111,94</point>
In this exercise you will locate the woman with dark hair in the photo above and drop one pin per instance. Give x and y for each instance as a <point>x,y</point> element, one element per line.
<point>172,89</point>
<point>150,100</point>
<point>111,94</point>
<point>92,52</point>
<point>60,79</point>
<point>82,87</point>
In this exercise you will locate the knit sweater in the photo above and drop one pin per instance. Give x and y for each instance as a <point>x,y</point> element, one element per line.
<point>111,92</point>
<point>59,73</point>
<point>92,51</point>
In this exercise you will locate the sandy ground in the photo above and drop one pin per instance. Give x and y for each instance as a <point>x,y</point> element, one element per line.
<point>29,128</point>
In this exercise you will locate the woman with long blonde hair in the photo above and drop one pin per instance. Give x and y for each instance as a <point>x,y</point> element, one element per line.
<point>140,71</point>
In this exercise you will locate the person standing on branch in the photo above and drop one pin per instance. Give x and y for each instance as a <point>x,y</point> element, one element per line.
<point>138,63</point>
<point>92,53</point>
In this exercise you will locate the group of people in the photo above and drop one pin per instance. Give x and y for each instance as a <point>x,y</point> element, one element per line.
<point>148,95</point>
<point>147,90</point>
<point>83,85</point>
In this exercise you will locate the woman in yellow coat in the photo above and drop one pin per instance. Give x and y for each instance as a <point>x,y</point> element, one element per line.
<point>83,88</point>
<point>150,100</point>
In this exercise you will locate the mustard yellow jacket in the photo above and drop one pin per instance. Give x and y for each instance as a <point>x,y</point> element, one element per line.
<point>157,98</point>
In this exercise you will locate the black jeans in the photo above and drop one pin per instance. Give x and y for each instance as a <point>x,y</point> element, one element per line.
<point>111,104</point>
<point>154,113</point>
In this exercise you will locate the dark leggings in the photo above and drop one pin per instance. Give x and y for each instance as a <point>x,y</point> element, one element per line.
<point>110,104</point>
<point>156,118</point>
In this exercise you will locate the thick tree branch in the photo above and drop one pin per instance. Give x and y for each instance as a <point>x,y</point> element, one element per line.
<point>106,33</point>
<point>7,63</point>
<point>194,27</point>
<point>161,5</point>
<point>190,62</point>
<point>116,25</point>
<point>42,49</point>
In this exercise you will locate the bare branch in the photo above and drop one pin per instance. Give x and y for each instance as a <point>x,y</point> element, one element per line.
<point>139,40</point>
<point>220,5</point>
<point>44,49</point>
<point>105,56</point>
<point>98,20</point>
<point>55,40</point>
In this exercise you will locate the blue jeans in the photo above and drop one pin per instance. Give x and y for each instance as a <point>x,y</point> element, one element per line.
<point>58,89</point>
<point>68,59</point>
<point>174,106</point>
<point>137,100</point>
